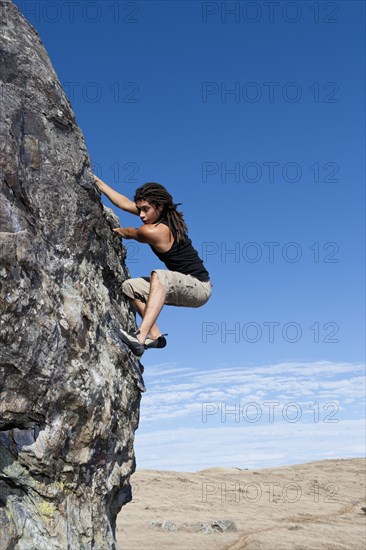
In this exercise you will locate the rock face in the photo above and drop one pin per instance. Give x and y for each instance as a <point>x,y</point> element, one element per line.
<point>70,390</point>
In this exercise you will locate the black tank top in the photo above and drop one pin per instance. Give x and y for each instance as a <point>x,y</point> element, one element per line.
<point>183,258</point>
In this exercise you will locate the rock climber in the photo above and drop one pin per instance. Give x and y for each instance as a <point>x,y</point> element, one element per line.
<point>185,282</point>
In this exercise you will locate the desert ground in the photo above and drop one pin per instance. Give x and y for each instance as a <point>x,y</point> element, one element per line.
<point>313,506</point>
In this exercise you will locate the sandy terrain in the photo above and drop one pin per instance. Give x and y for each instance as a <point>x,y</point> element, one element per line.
<point>303,507</point>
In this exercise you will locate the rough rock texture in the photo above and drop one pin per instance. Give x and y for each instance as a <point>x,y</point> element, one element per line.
<point>70,390</point>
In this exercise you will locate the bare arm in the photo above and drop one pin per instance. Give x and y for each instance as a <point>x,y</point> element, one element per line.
<point>117,198</point>
<point>158,236</point>
<point>127,232</point>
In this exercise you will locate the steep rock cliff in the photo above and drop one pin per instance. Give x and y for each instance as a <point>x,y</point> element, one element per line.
<point>70,390</point>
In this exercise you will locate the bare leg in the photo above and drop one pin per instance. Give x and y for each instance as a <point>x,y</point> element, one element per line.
<point>153,307</point>
<point>140,307</point>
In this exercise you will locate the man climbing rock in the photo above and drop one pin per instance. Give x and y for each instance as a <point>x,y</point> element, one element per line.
<point>185,282</point>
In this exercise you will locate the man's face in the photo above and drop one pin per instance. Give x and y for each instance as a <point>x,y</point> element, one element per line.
<point>149,213</point>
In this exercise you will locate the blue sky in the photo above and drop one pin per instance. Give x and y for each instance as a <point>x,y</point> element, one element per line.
<point>252,115</point>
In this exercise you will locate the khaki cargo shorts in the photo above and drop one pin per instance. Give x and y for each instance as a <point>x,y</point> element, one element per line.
<point>181,290</point>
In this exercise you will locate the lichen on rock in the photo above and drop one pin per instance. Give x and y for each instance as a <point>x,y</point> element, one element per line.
<point>70,390</point>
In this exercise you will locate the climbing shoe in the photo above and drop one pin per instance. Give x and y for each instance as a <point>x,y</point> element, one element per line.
<point>159,342</point>
<point>130,339</point>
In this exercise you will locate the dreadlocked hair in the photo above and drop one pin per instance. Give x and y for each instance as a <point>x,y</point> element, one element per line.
<point>157,195</point>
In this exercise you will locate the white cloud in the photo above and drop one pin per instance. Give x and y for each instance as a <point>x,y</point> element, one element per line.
<point>295,383</point>
<point>249,446</point>
<point>220,417</point>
